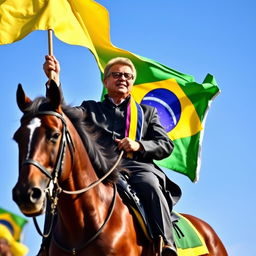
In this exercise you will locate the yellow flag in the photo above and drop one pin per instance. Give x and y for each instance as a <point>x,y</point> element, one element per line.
<point>76,22</point>
<point>20,17</point>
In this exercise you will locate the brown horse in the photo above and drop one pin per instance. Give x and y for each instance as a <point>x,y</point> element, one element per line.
<point>54,164</point>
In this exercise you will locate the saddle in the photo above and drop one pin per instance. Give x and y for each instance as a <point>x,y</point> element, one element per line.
<point>187,239</point>
<point>131,199</point>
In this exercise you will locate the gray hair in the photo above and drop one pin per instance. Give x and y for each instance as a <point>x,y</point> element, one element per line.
<point>119,60</point>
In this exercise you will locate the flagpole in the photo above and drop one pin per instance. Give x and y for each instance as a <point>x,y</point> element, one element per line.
<point>50,48</point>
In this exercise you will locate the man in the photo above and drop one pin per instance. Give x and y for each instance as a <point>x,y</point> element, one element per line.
<point>5,249</point>
<point>8,245</point>
<point>156,192</point>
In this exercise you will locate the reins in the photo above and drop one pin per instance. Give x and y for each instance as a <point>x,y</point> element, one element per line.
<point>95,183</point>
<point>53,189</point>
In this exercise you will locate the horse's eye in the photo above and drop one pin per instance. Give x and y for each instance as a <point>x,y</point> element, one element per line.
<point>54,137</point>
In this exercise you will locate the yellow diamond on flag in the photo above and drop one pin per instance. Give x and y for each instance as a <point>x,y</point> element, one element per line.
<point>172,103</point>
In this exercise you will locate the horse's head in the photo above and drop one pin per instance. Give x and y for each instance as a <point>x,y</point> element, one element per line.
<point>40,139</point>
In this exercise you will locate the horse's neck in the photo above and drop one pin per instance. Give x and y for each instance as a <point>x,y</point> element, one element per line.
<point>78,167</point>
<point>89,209</point>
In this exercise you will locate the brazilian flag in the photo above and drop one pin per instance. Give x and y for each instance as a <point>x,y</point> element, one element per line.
<point>182,106</point>
<point>182,103</point>
<point>13,222</point>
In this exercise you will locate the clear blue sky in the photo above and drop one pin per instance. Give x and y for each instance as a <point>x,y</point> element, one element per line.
<point>193,37</point>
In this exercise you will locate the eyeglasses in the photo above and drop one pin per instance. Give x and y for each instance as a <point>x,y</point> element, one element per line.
<point>118,75</point>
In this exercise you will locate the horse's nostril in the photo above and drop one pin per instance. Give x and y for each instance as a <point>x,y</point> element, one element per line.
<point>35,194</point>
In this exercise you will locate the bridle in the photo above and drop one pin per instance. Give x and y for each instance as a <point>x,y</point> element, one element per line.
<point>66,138</point>
<point>53,189</point>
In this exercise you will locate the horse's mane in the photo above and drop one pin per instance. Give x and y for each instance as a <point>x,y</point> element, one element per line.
<point>101,159</point>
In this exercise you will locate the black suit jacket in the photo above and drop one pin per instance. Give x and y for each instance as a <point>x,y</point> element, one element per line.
<point>110,119</point>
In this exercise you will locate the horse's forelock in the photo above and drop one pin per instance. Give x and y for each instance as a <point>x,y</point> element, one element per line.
<point>34,107</point>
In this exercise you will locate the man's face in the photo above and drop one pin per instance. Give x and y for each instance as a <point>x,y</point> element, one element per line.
<point>4,247</point>
<point>119,85</point>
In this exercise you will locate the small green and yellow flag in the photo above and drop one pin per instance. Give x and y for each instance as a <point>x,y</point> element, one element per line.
<point>182,103</point>
<point>11,226</point>
<point>13,222</point>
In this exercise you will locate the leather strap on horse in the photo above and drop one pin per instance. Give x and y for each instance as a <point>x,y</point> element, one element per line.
<point>95,183</point>
<point>75,250</point>
<point>47,231</point>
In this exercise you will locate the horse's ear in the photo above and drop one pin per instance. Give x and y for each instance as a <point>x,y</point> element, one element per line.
<point>53,93</point>
<point>22,100</point>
